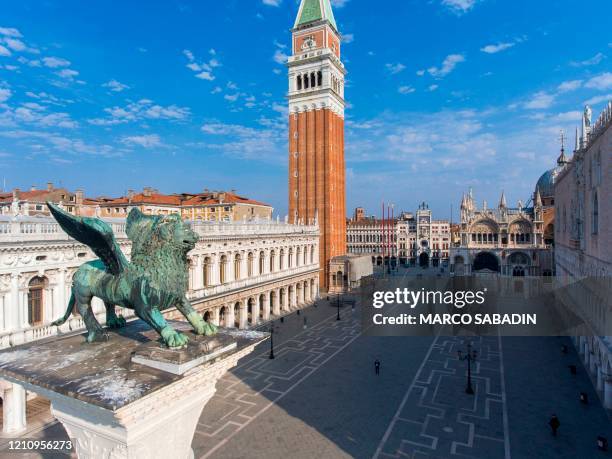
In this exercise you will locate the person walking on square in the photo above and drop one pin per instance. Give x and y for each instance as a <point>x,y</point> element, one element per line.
<point>377,367</point>
<point>554,424</point>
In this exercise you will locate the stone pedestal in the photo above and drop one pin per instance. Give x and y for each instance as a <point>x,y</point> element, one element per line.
<point>114,407</point>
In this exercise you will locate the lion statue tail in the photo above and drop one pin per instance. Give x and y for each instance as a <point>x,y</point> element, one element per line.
<point>61,321</point>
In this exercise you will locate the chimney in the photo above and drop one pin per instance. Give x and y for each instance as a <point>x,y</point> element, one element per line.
<point>79,197</point>
<point>221,197</point>
<point>16,192</point>
<point>49,186</point>
<point>33,188</point>
<point>130,195</point>
<point>147,192</point>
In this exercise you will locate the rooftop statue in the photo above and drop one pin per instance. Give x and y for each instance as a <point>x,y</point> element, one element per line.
<point>154,280</point>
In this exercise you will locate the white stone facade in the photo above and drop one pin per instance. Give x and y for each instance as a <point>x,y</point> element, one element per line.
<point>415,238</point>
<point>502,239</point>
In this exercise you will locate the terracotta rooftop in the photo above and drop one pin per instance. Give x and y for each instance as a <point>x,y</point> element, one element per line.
<point>183,199</point>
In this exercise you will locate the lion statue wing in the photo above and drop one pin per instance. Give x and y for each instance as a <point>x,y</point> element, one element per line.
<point>95,234</point>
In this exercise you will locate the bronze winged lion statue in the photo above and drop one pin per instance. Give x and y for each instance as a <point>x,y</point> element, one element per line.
<point>154,280</point>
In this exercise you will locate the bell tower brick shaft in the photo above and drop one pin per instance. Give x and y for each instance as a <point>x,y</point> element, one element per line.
<point>316,129</point>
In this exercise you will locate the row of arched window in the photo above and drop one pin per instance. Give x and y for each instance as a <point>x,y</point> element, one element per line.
<point>309,80</point>
<point>289,259</point>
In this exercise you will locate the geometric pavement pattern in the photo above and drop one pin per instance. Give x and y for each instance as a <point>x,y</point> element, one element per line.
<point>436,418</point>
<point>232,407</point>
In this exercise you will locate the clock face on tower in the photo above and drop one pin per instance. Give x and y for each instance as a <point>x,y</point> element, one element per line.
<point>309,43</point>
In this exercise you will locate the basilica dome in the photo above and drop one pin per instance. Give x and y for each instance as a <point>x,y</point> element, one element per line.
<point>546,183</point>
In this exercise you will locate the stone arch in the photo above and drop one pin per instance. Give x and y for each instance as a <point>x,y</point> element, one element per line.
<point>223,269</point>
<point>486,261</point>
<point>272,261</point>
<point>36,299</point>
<point>520,231</point>
<point>484,231</point>
<point>223,316</point>
<point>250,263</point>
<point>207,272</point>
<point>237,266</point>
<point>252,311</point>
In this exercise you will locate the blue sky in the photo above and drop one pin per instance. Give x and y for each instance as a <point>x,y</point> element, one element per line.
<point>182,96</point>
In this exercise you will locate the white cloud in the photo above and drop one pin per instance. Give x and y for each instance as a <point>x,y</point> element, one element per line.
<point>569,116</point>
<point>14,44</point>
<point>69,74</point>
<point>54,62</point>
<point>406,89</point>
<point>205,76</point>
<point>459,6</point>
<point>202,70</point>
<point>144,109</point>
<point>5,94</point>
<point>10,32</point>
<point>598,99</point>
<point>4,51</point>
<point>596,59</point>
<point>540,100</point>
<point>348,38</point>
<point>420,72</point>
<point>280,57</point>
<point>272,2</point>
<point>267,144</point>
<point>115,86</point>
<point>145,141</point>
<point>395,68</point>
<point>602,81</point>
<point>448,65</point>
<point>231,97</point>
<point>492,49</point>
<point>339,3</point>
<point>568,86</point>
<point>433,87</point>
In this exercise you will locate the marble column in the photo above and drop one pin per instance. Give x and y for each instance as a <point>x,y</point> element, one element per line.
<point>13,408</point>
<point>214,316</point>
<point>255,311</point>
<point>266,306</point>
<point>230,318</point>
<point>276,302</point>
<point>243,315</point>
<point>12,312</point>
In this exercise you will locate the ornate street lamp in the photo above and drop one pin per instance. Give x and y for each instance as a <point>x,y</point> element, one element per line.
<point>471,356</point>
<point>338,304</point>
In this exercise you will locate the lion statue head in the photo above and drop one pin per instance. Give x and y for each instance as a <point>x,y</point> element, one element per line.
<point>160,244</point>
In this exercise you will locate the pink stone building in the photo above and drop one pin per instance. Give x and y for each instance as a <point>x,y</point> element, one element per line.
<point>583,244</point>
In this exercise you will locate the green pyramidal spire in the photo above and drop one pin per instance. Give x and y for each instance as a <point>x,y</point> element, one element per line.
<point>315,10</point>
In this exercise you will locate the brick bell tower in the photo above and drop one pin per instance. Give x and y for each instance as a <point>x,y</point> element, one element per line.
<point>316,129</point>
